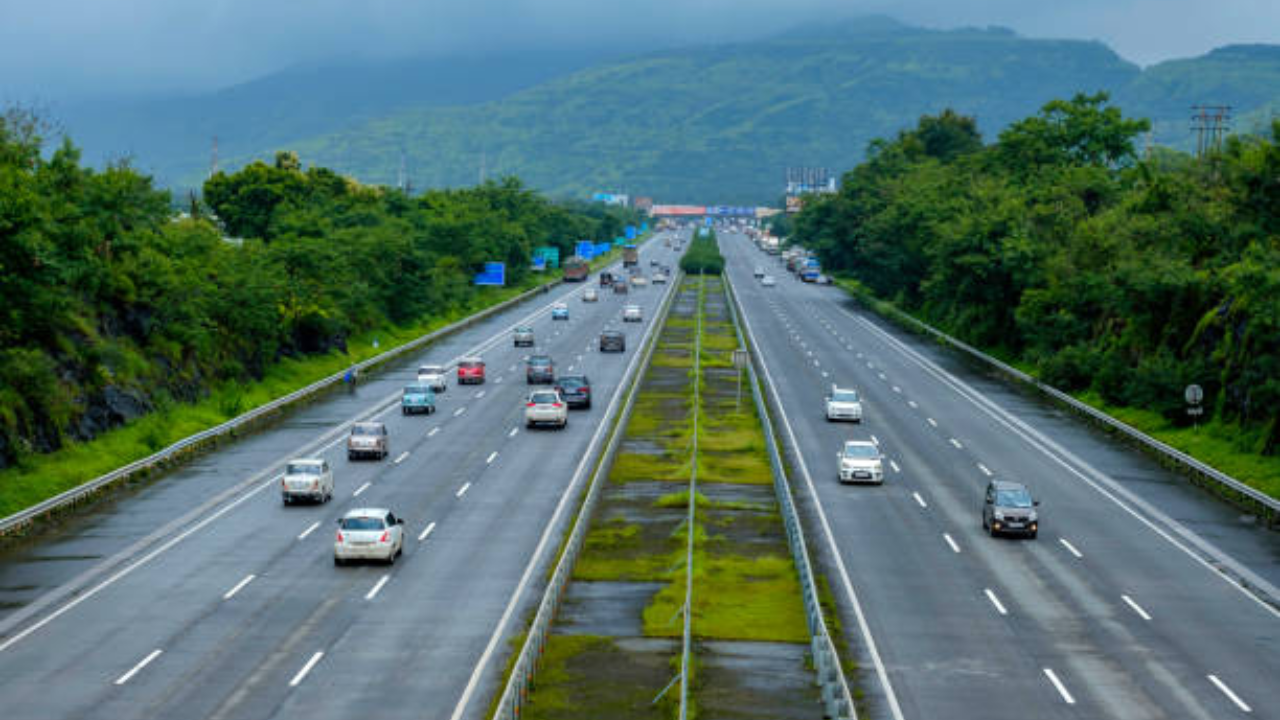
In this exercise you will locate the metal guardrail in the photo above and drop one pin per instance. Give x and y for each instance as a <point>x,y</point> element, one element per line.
<point>187,446</point>
<point>686,639</point>
<point>837,700</point>
<point>1268,506</point>
<point>516,691</point>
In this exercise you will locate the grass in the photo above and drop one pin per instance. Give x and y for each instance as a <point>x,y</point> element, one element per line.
<point>37,478</point>
<point>1223,446</point>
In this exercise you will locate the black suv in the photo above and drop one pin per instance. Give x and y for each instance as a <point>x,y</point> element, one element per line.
<point>1009,509</point>
<point>540,370</point>
<point>613,341</point>
<point>575,390</point>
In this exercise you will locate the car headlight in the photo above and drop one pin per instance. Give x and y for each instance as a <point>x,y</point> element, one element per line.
<point>1034,517</point>
<point>998,515</point>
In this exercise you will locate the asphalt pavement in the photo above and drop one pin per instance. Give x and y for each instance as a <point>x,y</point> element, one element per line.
<point>1142,597</point>
<point>202,596</point>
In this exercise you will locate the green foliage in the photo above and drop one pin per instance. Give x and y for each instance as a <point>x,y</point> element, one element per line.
<point>703,256</point>
<point>114,307</point>
<point>1059,250</point>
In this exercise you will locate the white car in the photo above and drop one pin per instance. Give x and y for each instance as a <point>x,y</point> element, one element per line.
<point>768,281</point>
<point>590,295</point>
<point>844,404</point>
<point>546,407</point>
<point>632,313</point>
<point>368,534</point>
<point>433,375</point>
<point>759,273</point>
<point>860,461</point>
<point>639,281</point>
<point>659,278</point>
<point>306,479</point>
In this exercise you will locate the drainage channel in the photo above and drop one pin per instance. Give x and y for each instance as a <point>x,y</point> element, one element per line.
<point>615,647</point>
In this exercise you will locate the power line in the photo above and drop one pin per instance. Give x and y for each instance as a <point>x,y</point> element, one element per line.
<point>1210,123</point>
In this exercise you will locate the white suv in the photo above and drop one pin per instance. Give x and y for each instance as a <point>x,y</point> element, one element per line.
<point>844,404</point>
<point>433,375</point>
<point>861,461</point>
<point>546,407</point>
<point>306,479</point>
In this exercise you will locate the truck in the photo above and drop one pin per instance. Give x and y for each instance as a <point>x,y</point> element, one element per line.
<point>810,270</point>
<point>630,255</point>
<point>575,269</point>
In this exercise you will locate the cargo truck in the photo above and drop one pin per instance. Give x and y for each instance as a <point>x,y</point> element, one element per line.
<point>630,255</point>
<point>575,269</point>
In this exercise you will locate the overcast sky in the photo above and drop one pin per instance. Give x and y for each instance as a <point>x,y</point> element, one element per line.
<point>58,48</point>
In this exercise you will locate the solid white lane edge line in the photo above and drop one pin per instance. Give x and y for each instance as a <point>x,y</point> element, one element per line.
<point>1057,684</point>
<point>1070,548</point>
<point>310,529</point>
<point>459,411</point>
<point>240,585</point>
<point>463,490</point>
<point>895,467</point>
<point>377,586</point>
<point>919,500</point>
<point>954,547</point>
<point>995,601</point>
<point>932,422</point>
<point>492,456</point>
<point>956,443</point>
<point>400,458</point>
<point>513,432</point>
<point>152,656</point>
<point>984,469</point>
<point>361,489</point>
<point>306,669</point>
<point>1227,691</point>
<point>430,526</point>
<point>1136,607</point>
<point>433,431</point>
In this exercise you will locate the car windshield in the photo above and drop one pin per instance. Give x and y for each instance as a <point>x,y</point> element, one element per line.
<point>524,329</point>
<point>611,335</point>
<point>470,364</point>
<point>430,370</point>
<point>302,468</point>
<point>543,398</point>
<point>539,361</point>
<point>366,429</point>
<point>1019,498</point>
<point>416,390</point>
<point>571,382</point>
<point>844,396</point>
<point>860,451</point>
<point>362,523</point>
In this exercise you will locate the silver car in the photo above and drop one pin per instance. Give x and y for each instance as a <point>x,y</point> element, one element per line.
<point>368,534</point>
<point>632,313</point>
<point>768,281</point>
<point>1009,509</point>
<point>522,336</point>
<point>433,375</point>
<point>860,461</point>
<point>844,404</point>
<point>546,407</point>
<point>306,479</point>
<point>368,439</point>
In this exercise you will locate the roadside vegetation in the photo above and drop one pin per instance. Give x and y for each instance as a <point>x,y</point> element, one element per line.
<point>703,256</point>
<point>120,312</point>
<point>1119,278</point>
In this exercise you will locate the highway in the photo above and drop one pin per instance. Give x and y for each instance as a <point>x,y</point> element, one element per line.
<point>202,596</point>
<point>1129,604</point>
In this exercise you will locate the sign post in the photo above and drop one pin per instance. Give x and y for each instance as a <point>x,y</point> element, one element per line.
<point>1194,395</point>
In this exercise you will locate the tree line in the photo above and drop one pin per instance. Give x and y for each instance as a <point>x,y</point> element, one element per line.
<point>1061,247</point>
<point>115,304</point>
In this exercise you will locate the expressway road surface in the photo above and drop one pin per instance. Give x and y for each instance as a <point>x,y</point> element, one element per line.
<point>203,596</point>
<point>1129,605</point>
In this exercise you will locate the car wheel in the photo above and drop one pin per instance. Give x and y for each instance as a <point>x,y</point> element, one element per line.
<point>285,499</point>
<point>404,411</point>
<point>1032,536</point>
<point>351,456</point>
<point>391,559</point>
<point>337,561</point>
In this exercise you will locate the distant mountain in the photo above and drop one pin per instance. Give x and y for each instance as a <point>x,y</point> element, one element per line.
<point>171,136</point>
<point>714,124</point>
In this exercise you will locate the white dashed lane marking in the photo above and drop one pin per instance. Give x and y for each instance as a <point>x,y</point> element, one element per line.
<point>433,431</point>
<point>1135,607</point>
<point>1057,684</point>
<point>463,490</point>
<point>302,674</point>
<point>1070,548</point>
<point>1230,695</point>
<point>136,668</point>
<point>310,529</point>
<point>995,601</point>
<point>919,500</point>
<point>361,489</point>
<point>492,456</point>
<point>954,547</point>
<point>374,592</point>
<point>240,585</point>
<point>426,532</point>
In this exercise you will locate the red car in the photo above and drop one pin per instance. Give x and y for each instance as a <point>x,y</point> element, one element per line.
<point>471,371</point>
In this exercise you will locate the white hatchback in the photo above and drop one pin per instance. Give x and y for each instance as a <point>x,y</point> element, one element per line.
<point>632,313</point>
<point>306,479</point>
<point>368,534</point>
<point>433,375</point>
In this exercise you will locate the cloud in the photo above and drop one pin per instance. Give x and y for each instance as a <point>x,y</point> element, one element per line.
<point>60,47</point>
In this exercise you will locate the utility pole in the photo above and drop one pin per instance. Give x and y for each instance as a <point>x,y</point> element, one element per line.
<point>1210,123</point>
<point>402,180</point>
